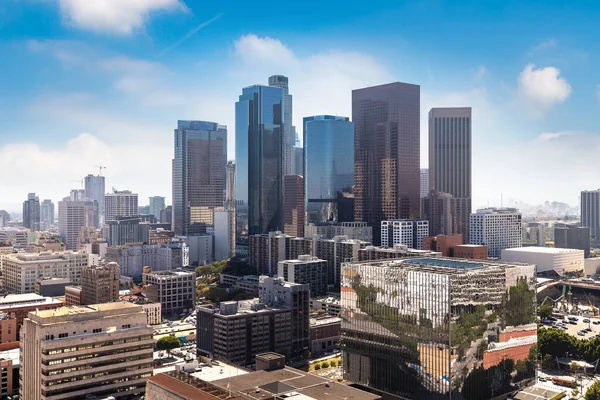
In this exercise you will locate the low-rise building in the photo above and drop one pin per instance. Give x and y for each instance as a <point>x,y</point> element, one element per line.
<point>19,305</point>
<point>174,290</point>
<point>370,253</point>
<point>471,251</point>
<point>52,287</point>
<point>324,334</point>
<point>8,332</point>
<point>247,283</point>
<point>329,230</point>
<point>443,244</point>
<point>330,304</point>
<point>73,295</point>
<point>153,310</point>
<point>563,262</point>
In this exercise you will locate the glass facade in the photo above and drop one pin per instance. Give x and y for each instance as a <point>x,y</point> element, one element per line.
<point>386,153</point>
<point>259,122</point>
<point>328,168</point>
<point>439,328</point>
<point>198,174</point>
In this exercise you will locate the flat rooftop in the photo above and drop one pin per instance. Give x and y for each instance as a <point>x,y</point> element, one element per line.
<point>543,250</point>
<point>444,263</point>
<point>72,310</point>
<point>25,300</point>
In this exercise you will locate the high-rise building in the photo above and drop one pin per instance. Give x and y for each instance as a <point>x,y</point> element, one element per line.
<point>224,234</point>
<point>329,170</point>
<point>199,175</point>
<point>4,218</point>
<point>329,230</point>
<point>259,115</point>
<point>497,228</point>
<point>124,230</point>
<point>590,212</point>
<point>438,328</point>
<point>424,182</point>
<point>120,203</point>
<point>95,189</point>
<point>299,161</point>
<point>289,131</point>
<point>82,351</point>
<point>166,215</point>
<point>386,153</point>
<point>156,205</point>
<point>293,208</point>
<point>443,212</point>
<point>160,289</point>
<point>46,214</point>
<point>450,160</point>
<point>31,212</point>
<point>408,232</point>
<point>305,269</point>
<point>133,257</point>
<point>71,218</point>
<point>573,237</point>
<point>100,284</point>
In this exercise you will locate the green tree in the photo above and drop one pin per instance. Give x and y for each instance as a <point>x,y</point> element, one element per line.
<point>593,392</point>
<point>545,311</point>
<point>325,364</point>
<point>168,343</point>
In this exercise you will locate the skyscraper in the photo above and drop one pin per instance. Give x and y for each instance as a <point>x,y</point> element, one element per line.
<point>590,212</point>
<point>450,160</point>
<point>47,214</point>
<point>329,169</point>
<point>386,153</point>
<point>95,190</point>
<point>71,218</point>
<point>293,208</point>
<point>572,237</point>
<point>289,131</point>
<point>120,203</point>
<point>31,212</point>
<point>424,182</point>
<point>259,128</point>
<point>299,161</point>
<point>156,205</point>
<point>199,174</point>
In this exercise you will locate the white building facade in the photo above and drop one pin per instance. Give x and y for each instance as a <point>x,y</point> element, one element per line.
<point>562,261</point>
<point>497,228</point>
<point>408,232</point>
<point>122,203</point>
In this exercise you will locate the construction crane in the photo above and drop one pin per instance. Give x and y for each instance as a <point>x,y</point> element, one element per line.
<point>78,181</point>
<point>101,167</point>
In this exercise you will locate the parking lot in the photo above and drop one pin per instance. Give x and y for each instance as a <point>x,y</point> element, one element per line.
<point>578,326</point>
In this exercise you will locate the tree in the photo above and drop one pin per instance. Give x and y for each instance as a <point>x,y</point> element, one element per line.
<point>168,343</point>
<point>325,364</point>
<point>545,311</point>
<point>593,392</point>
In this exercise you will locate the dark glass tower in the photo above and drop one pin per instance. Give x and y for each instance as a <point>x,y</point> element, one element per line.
<point>95,190</point>
<point>198,175</point>
<point>259,122</point>
<point>386,153</point>
<point>329,167</point>
<point>31,212</point>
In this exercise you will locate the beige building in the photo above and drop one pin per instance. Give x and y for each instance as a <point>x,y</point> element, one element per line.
<point>100,284</point>
<point>174,290</point>
<point>22,271</point>
<point>72,352</point>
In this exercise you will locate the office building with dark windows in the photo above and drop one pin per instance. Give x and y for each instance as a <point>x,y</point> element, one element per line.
<point>590,212</point>
<point>289,131</point>
<point>31,212</point>
<point>573,237</point>
<point>259,125</point>
<point>95,191</point>
<point>329,168</point>
<point>293,208</point>
<point>199,175</point>
<point>386,153</point>
<point>439,328</point>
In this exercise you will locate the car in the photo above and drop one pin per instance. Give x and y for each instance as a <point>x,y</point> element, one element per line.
<point>596,322</point>
<point>573,322</point>
<point>542,379</point>
<point>587,321</point>
<point>587,330</point>
<point>581,333</point>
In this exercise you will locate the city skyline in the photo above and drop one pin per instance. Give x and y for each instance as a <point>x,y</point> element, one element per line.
<point>531,101</point>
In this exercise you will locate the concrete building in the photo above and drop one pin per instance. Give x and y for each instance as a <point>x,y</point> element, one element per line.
<point>293,206</point>
<point>431,300</point>
<point>573,237</point>
<point>51,287</point>
<point>74,352</point>
<point>133,257</point>
<point>450,161</point>
<point>120,203</point>
<point>23,270</point>
<point>8,332</point>
<point>73,296</point>
<point>496,228</point>
<point>330,304</point>
<point>445,213</point>
<point>443,244</point>
<point>153,310</point>
<point>160,236</point>
<point>201,249</point>
<point>370,253</point>
<point>471,251</point>
<point>71,218</point>
<point>534,234</point>
<point>95,189</point>
<point>100,284</point>
<point>46,214</point>
<point>329,230</point>
<point>408,232</point>
<point>424,182</point>
<point>19,305</point>
<point>590,211</point>
<point>336,251</point>
<point>174,290</point>
<point>324,334</point>
<point>123,230</point>
<point>306,269</point>
<point>31,212</point>
<point>17,237</point>
<point>7,387</point>
<point>224,236</point>
<point>386,153</point>
<point>564,262</point>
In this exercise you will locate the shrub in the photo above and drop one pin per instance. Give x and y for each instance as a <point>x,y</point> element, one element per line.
<point>325,364</point>
<point>317,366</point>
<point>168,343</point>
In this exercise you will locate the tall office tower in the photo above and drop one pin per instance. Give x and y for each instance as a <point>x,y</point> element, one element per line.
<point>100,284</point>
<point>230,186</point>
<point>407,232</point>
<point>419,326</point>
<point>127,230</point>
<point>386,153</point>
<point>82,352</point>
<point>71,218</point>
<point>156,205</point>
<point>47,214</point>
<point>497,228</point>
<point>77,195</point>
<point>450,160</point>
<point>4,218</point>
<point>293,207</point>
<point>259,158</point>
<point>166,215</point>
<point>120,203</point>
<point>329,170</point>
<point>289,131</point>
<point>424,182</point>
<point>31,212</point>
<point>440,209</point>
<point>590,212</point>
<point>95,190</point>
<point>299,161</point>
<point>573,237</point>
<point>199,175</point>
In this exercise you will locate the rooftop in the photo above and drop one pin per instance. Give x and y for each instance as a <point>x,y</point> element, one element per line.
<point>73,310</point>
<point>25,300</point>
<point>444,263</point>
<point>543,250</point>
<point>325,321</point>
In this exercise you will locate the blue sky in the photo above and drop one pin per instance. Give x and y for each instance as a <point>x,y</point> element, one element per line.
<point>104,81</point>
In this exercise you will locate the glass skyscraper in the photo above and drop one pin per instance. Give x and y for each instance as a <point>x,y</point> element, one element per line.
<point>259,122</point>
<point>439,328</point>
<point>199,175</point>
<point>329,168</point>
<point>289,131</point>
<point>95,190</point>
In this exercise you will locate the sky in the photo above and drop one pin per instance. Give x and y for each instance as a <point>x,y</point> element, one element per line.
<point>103,82</point>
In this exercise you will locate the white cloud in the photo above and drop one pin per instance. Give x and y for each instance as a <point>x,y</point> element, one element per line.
<point>543,88</point>
<point>543,137</point>
<point>121,17</point>
<point>252,48</point>
<point>546,44</point>
<point>480,72</point>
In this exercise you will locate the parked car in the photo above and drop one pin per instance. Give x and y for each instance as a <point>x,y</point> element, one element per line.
<point>581,333</point>
<point>587,321</point>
